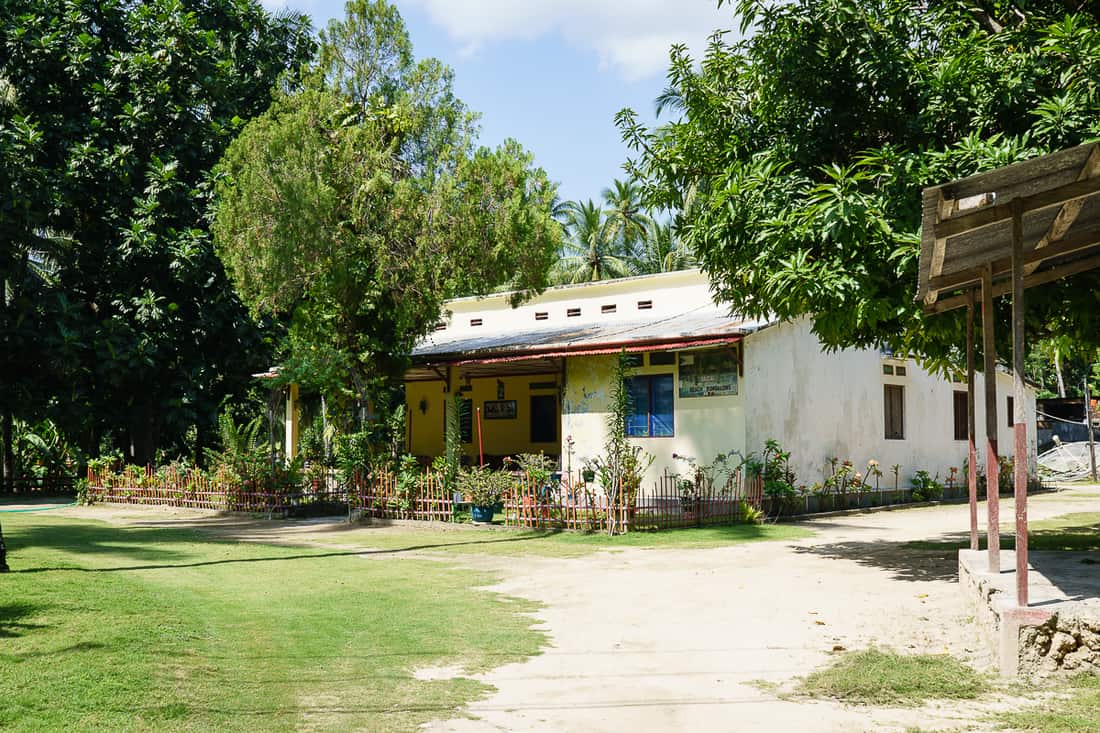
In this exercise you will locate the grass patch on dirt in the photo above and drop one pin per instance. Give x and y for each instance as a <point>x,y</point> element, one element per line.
<point>554,544</point>
<point>875,677</point>
<point>1075,709</point>
<point>1079,531</point>
<point>110,628</point>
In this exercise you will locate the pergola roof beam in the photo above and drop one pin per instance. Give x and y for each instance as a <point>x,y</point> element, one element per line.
<point>1004,287</point>
<point>967,224</point>
<point>960,223</point>
<point>1065,218</point>
<point>1077,243</point>
<point>1008,181</point>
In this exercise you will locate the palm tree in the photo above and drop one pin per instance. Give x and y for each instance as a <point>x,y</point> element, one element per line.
<point>662,251</point>
<point>591,251</point>
<point>559,209</point>
<point>626,216</point>
<point>670,99</point>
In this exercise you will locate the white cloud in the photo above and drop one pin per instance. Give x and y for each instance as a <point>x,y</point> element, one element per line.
<point>630,36</point>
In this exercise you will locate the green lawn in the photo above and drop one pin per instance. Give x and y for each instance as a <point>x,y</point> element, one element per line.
<point>1078,531</point>
<point>105,628</point>
<point>500,541</point>
<point>876,677</point>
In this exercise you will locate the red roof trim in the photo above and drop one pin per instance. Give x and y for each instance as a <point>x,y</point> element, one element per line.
<point>606,349</point>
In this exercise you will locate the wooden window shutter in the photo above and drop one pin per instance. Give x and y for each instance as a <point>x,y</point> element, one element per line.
<point>962,421</point>
<point>893,402</point>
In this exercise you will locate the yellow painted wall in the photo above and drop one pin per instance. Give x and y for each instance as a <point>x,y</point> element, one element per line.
<point>704,426</point>
<point>501,437</point>
<point>425,429</point>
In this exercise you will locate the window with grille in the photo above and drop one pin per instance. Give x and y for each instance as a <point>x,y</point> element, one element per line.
<point>650,406</point>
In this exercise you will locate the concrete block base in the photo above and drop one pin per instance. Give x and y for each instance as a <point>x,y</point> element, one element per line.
<point>1059,633</point>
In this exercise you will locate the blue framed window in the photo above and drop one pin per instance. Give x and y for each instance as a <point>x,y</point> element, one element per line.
<point>650,409</point>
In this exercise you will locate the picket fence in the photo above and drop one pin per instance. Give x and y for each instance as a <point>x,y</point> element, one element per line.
<point>376,494</point>
<point>567,502</point>
<point>40,485</point>
<point>575,504</point>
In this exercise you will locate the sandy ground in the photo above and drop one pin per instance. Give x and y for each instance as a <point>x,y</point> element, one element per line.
<point>697,639</point>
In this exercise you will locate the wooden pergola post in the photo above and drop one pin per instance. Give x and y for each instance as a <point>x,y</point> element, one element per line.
<point>1019,426</point>
<point>992,466</point>
<point>972,235</point>
<point>971,420</point>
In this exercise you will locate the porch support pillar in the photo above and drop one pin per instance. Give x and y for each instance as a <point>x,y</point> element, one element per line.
<point>1019,426</point>
<point>992,466</point>
<point>971,424</point>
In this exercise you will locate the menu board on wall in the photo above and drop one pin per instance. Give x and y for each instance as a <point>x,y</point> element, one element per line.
<point>711,373</point>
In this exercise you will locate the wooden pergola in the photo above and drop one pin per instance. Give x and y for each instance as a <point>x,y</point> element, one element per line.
<point>995,234</point>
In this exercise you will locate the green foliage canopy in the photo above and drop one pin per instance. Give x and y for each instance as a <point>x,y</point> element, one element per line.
<point>796,156</point>
<point>114,114</point>
<point>357,204</point>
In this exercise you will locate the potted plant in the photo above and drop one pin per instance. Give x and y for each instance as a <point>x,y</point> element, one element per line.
<point>635,463</point>
<point>484,488</point>
<point>689,499</point>
<point>538,478</point>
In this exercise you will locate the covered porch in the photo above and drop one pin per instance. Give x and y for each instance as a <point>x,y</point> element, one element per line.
<point>504,408</point>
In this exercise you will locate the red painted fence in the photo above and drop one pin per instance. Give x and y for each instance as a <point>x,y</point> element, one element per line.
<point>572,503</point>
<point>376,495</point>
<point>568,503</point>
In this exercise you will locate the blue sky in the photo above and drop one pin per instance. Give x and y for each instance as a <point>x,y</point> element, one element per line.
<point>553,73</point>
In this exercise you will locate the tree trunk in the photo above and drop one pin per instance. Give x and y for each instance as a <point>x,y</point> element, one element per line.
<point>3,553</point>
<point>6,438</point>
<point>6,428</point>
<point>1058,372</point>
<point>144,433</point>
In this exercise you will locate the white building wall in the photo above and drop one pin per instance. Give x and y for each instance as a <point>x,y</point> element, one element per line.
<point>667,294</point>
<point>704,426</point>
<point>820,405</point>
<point>816,404</point>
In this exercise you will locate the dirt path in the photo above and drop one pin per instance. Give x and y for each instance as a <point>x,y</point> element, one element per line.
<point>663,640</point>
<point>666,640</point>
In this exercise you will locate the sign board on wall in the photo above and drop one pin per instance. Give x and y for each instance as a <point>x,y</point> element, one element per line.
<point>711,373</point>
<point>500,409</point>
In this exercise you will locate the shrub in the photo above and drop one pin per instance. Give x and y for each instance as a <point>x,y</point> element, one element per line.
<point>483,486</point>
<point>245,455</point>
<point>537,466</point>
<point>358,453</point>
<point>777,473</point>
<point>409,475</point>
<point>926,488</point>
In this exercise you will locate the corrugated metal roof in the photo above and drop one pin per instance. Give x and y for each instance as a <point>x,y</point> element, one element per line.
<point>629,347</point>
<point>701,323</point>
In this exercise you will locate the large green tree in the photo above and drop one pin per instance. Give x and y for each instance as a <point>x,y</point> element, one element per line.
<point>118,112</point>
<point>357,204</point>
<point>796,155</point>
<point>26,271</point>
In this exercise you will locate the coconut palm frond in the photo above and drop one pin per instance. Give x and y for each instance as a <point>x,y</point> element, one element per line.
<point>669,99</point>
<point>663,251</point>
